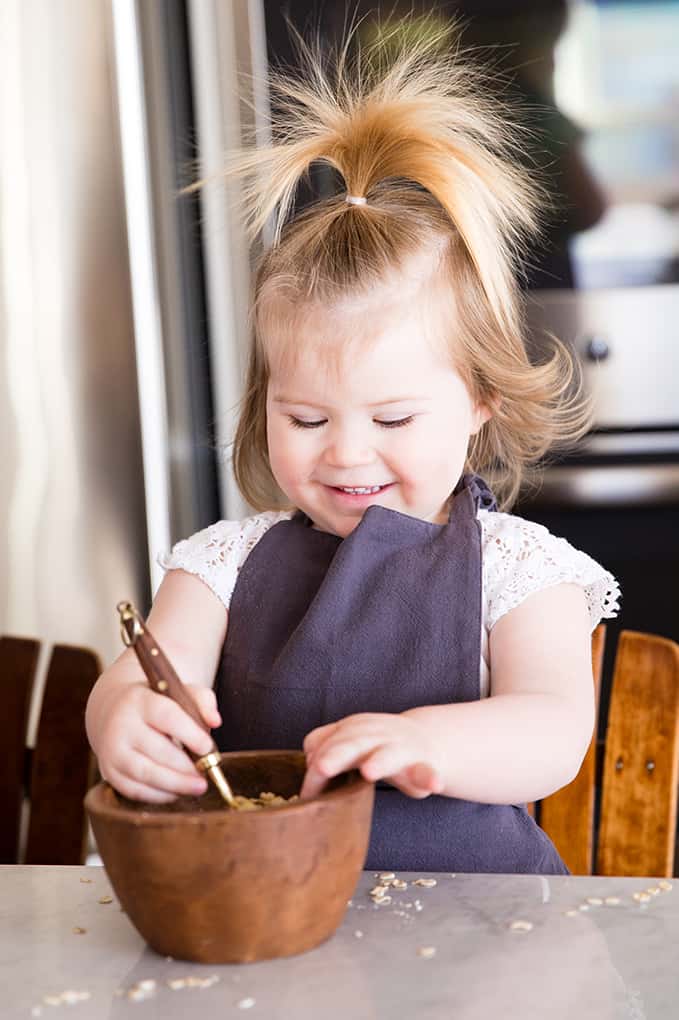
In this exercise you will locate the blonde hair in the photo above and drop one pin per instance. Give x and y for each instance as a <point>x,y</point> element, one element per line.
<point>434,159</point>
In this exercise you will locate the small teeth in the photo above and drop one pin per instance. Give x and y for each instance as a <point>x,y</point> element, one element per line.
<point>360,491</point>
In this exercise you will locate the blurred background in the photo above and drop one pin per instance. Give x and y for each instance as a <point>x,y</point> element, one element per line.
<point>123,306</point>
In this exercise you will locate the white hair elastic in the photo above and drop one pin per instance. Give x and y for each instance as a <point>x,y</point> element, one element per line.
<point>356,200</point>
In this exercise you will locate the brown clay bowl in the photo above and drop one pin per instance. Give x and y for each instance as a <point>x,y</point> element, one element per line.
<point>202,882</point>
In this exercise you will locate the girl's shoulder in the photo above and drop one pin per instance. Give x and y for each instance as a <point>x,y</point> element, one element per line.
<point>521,557</point>
<point>217,553</point>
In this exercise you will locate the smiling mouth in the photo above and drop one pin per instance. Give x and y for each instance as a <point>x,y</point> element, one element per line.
<point>360,490</point>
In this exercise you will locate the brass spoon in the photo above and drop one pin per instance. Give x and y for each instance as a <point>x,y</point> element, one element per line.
<point>163,679</point>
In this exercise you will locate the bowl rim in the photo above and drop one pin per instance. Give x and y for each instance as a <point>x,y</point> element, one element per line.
<point>95,804</point>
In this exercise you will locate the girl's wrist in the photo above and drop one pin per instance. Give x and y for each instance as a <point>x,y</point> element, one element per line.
<point>435,756</point>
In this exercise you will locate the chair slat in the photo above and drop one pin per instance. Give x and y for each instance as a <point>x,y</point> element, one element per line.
<point>18,663</point>
<point>639,790</point>
<point>567,816</point>
<point>62,763</point>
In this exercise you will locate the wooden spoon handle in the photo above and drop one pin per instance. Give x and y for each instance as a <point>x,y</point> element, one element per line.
<point>158,669</point>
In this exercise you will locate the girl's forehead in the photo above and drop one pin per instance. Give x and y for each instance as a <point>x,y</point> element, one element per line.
<point>335,343</point>
<point>418,292</point>
<point>333,336</point>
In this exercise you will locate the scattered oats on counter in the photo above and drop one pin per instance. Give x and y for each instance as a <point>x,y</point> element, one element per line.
<point>665,885</point>
<point>144,989</point>
<point>358,934</point>
<point>594,901</point>
<point>641,897</point>
<point>246,1003</point>
<point>426,952</point>
<point>387,876</point>
<point>79,931</point>
<point>521,926</point>
<point>192,982</point>
<point>612,901</point>
<point>106,899</point>
<point>583,907</point>
<point>86,881</point>
<point>653,890</point>
<point>397,883</point>
<point>68,998</point>
<point>427,883</point>
<point>379,896</point>
<point>571,913</point>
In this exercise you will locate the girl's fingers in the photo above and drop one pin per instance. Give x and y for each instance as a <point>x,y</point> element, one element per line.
<point>424,777</point>
<point>137,791</point>
<point>158,747</point>
<point>386,760</point>
<point>206,699</point>
<point>168,717</point>
<point>394,762</point>
<point>338,756</point>
<point>313,784</point>
<point>316,737</point>
<point>147,772</point>
<point>342,754</point>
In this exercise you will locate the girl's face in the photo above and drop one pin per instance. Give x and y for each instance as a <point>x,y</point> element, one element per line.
<point>383,419</point>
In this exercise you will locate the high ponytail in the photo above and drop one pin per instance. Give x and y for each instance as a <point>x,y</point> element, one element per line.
<point>421,119</point>
<point>438,166</point>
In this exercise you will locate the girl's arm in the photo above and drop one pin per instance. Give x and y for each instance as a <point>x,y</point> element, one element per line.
<point>522,743</point>
<point>530,736</point>
<point>129,726</point>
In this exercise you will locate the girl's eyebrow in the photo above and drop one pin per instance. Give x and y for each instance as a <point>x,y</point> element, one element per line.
<point>280,399</point>
<point>399,400</point>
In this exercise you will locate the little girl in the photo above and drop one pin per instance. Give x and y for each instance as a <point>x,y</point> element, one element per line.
<point>390,618</point>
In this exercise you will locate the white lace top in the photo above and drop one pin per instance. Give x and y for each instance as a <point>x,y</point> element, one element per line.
<point>519,557</point>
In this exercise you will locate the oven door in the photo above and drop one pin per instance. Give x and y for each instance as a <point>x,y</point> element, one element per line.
<point>615,469</point>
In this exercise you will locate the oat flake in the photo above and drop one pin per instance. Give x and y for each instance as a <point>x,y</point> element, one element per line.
<point>521,926</point>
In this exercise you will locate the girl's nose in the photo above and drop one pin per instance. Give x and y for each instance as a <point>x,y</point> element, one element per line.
<point>348,448</point>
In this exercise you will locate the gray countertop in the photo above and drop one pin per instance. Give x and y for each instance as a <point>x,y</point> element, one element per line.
<point>611,960</point>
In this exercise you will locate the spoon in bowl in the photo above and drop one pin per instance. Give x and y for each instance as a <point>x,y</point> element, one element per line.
<point>163,679</point>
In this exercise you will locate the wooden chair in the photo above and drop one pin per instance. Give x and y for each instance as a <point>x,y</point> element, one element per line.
<point>56,774</point>
<point>639,773</point>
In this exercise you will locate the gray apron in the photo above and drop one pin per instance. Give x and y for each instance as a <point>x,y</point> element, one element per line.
<point>384,620</point>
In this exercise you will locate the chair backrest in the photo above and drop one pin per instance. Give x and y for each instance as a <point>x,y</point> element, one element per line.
<point>641,764</point>
<point>638,781</point>
<point>56,774</point>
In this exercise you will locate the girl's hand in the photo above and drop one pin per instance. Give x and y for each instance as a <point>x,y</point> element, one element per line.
<point>381,746</point>
<point>132,730</point>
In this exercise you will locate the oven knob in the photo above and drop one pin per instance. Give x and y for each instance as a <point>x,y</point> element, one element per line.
<point>596,348</point>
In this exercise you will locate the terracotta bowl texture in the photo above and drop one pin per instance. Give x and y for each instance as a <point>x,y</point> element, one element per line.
<point>202,882</point>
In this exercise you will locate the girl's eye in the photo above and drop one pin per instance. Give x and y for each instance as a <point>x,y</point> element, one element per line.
<point>297,423</point>
<point>396,423</point>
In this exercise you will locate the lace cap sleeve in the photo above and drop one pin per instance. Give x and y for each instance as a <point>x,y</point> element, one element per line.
<point>217,553</point>
<point>521,557</point>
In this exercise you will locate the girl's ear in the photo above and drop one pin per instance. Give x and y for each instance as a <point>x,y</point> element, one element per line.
<point>481,414</point>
